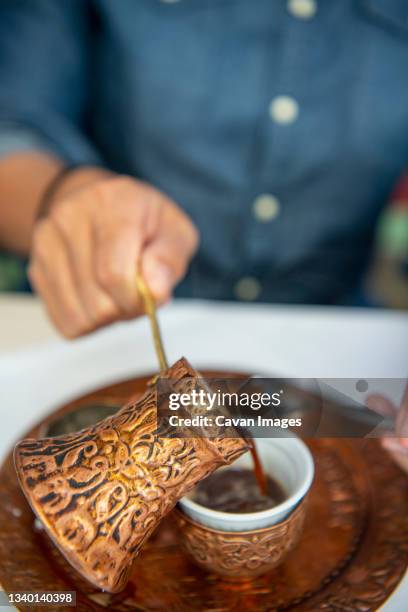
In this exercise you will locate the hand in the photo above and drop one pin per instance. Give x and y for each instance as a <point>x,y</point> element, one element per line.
<point>396,445</point>
<point>85,253</point>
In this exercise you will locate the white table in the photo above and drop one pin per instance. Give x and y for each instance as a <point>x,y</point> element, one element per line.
<point>39,371</point>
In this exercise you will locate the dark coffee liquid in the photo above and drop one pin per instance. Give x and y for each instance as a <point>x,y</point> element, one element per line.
<point>237,490</point>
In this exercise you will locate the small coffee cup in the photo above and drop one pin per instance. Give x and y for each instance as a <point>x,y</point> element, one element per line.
<point>242,545</point>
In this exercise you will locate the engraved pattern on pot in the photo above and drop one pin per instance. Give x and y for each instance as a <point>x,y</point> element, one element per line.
<point>102,491</point>
<point>244,553</point>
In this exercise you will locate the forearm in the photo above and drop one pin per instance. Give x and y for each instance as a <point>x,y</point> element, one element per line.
<point>24,178</point>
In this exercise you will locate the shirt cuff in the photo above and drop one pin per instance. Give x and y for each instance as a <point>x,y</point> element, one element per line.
<point>16,137</point>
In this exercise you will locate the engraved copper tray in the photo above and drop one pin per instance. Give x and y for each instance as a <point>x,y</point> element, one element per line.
<point>352,554</point>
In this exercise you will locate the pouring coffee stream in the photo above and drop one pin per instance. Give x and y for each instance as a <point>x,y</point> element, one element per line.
<point>258,468</point>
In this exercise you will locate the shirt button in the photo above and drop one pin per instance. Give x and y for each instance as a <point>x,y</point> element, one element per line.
<point>302,9</point>
<point>266,208</point>
<point>284,110</point>
<point>248,289</point>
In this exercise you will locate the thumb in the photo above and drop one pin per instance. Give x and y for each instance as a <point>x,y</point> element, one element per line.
<point>164,263</point>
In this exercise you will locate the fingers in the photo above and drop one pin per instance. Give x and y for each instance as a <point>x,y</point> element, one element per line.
<point>404,403</point>
<point>165,259</point>
<point>124,223</point>
<point>115,268</point>
<point>164,263</point>
<point>381,405</point>
<point>145,228</point>
<point>398,452</point>
<point>51,276</point>
<point>394,445</point>
<point>402,419</point>
<point>77,237</point>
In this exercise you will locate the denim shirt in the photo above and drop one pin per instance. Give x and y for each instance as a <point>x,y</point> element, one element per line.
<point>279,126</point>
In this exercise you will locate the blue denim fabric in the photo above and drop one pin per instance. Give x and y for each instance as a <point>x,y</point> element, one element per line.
<point>177,93</point>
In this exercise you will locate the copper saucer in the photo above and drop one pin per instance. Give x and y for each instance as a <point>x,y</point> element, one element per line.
<point>352,554</point>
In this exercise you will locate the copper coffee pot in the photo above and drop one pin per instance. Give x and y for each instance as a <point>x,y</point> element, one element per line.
<point>101,492</point>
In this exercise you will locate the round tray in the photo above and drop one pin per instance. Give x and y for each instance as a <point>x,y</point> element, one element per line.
<point>352,553</point>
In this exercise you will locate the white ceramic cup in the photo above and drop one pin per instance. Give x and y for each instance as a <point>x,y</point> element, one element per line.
<point>287,460</point>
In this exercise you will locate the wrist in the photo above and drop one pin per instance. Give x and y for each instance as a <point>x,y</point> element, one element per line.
<point>67,180</point>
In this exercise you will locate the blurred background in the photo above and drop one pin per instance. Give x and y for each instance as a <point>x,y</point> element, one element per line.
<point>387,280</point>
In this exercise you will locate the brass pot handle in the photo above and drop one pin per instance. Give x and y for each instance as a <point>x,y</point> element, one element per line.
<point>150,310</point>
